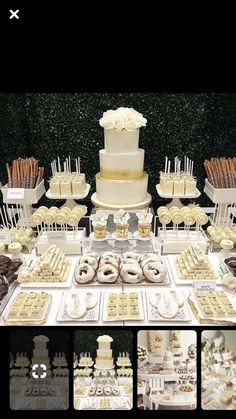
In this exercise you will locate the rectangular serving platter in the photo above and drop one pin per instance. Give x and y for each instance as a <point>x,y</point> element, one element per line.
<point>90,315</point>
<point>183,314</point>
<point>179,281</point>
<point>122,317</point>
<point>56,284</point>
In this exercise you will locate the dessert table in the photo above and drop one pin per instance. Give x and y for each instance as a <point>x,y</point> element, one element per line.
<point>56,291</point>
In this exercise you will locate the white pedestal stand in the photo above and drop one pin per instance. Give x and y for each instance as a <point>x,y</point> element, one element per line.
<point>176,198</point>
<point>70,200</point>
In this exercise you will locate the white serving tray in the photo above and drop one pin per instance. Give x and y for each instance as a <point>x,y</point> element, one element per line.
<point>31,196</point>
<point>44,284</point>
<point>90,315</point>
<point>219,319</point>
<point>120,282</point>
<point>125,317</point>
<point>183,314</point>
<point>163,195</point>
<point>81,196</point>
<point>179,281</point>
<point>220,195</point>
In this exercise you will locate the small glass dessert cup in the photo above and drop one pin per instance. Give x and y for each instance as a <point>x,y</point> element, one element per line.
<point>122,230</point>
<point>99,230</point>
<point>144,229</point>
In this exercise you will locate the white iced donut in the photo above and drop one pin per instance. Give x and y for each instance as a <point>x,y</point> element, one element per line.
<point>84,273</point>
<point>90,260</point>
<point>106,255</point>
<point>151,257</point>
<point>129,260</point>
<point>154,272</point>
<point>107,273</point>
<point>131,273</point>
<point>132,255</point>
<point>94,255</point>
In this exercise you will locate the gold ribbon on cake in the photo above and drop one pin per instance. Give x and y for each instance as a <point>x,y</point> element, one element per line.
<point>207,321</point>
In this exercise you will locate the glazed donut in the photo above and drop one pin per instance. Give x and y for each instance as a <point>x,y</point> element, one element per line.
<point>106,255</point>
<point>151,257</point>
<point>107,273</point>
<point>109,259</point>
<point>154,272</point>
<point>129,260</point>
<point>131,273</point>
<point>90,260</point>
<point>132,255</point>
<point>84,273</point>
<point>94,255</point>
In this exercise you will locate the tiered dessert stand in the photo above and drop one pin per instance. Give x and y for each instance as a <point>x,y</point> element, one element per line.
<point>70,199</point>
<point>176,198</point>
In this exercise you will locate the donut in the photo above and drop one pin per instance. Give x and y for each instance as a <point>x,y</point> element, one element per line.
<point>92,391</point>
<point>90,260</point>
<point>107,273</point>
<point>131,273</point>
<point>94,255</point>
<point>106,255</point>
<point>129,260</point>
<point>84,273</point>
<point>154,272</point>
<point>132,255</point>
<point>151,257</point>
<point>109,259</point>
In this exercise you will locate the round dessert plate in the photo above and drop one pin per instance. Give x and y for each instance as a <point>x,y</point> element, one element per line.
<point>96,239</point>
<point>114,236</point>
<point>137,236</point>
<point>105,205</point>
<point>81,196</point>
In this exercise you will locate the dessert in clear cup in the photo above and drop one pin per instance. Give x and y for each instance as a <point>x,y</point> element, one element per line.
<point>121,220</point>
<point>99,223</point>
<point>144,223</point>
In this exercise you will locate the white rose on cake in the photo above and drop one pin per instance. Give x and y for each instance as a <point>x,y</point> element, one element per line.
<point>122,118</point>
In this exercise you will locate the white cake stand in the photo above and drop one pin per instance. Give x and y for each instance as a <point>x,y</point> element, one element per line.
<point>106,205</point>
<point>70,199</point>
<point>176,198</point>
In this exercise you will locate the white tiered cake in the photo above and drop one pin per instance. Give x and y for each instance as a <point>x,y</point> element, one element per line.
<point>168,360</point>
<point>40,351</point>
<point>121,180</point>
<point>104,359</point>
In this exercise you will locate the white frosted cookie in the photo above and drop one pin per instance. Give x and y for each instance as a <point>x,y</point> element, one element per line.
<point>76,310</point>
<point>167,310</point>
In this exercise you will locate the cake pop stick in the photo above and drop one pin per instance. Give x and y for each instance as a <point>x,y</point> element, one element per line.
<point>166,163</point>
<point>59,164</point>
<point>79,164</point>
<point>14,217</point>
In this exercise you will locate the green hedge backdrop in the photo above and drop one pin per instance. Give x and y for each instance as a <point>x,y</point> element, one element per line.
<point>48,125</point>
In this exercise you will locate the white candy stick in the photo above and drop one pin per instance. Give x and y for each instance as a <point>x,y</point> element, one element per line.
<point>59,164</point>
<point>5,215</point>
<point>14,217</point>
<point>76,166</point>
<point>166,163</point>
<point>64,165</point>
<point>79,164</point>
<point>3,221</point>
<point>70,164</point>
<point>192,169</point>
<point>169,167</point>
